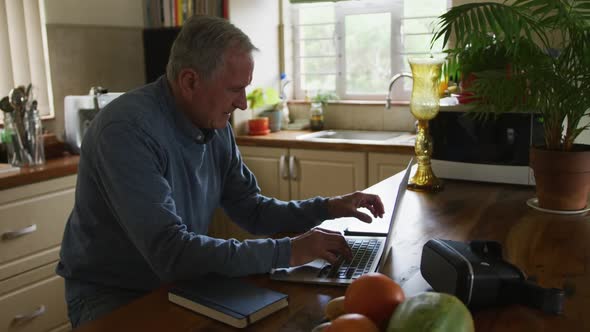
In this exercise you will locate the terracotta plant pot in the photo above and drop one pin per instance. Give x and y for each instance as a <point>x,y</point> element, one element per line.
<point>258,126</point>
<point>563,178</point>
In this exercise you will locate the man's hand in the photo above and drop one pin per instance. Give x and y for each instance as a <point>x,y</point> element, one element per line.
<point>318,243</point>
<point>347,206</point>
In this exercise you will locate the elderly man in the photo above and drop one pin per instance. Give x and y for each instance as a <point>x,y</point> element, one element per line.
<point>157,162</point>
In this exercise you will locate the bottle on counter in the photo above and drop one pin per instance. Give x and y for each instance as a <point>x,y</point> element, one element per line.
<point>283,107</point>
<point>316,121</point>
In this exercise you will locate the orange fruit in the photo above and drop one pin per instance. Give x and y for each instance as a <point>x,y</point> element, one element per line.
<point>352,323</point>
<point>374,295</point>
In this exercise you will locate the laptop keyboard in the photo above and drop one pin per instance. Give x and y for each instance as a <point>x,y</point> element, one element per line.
<point>364,252</point>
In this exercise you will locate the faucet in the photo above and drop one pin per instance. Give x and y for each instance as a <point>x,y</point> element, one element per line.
<point>96,91</point>
<point>391,82</point>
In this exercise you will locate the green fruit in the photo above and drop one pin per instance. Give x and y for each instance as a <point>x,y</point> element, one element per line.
<point>431,312</point>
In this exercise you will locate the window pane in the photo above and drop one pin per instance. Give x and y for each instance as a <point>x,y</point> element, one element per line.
<point>419,25</point>
<point>314,83</point>
<point>318,65</point>
<point>311,14</point>
<point>368,52</point>
<point>419,43</point>
<point>318,47</point>
<point>424,7</point>
<point>316,31</point>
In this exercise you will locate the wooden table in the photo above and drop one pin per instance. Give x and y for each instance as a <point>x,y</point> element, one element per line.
<point>555,249</point>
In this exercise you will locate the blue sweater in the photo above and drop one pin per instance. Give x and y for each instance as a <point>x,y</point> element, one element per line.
<point>148,184</point>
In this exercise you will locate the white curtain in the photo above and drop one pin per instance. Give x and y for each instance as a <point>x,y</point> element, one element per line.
<point>22,51</point>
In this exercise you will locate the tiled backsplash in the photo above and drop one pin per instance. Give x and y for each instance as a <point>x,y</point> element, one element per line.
<point>345,116</point>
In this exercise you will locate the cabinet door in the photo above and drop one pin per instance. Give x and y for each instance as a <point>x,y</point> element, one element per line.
<point>326,173</point>
<point>384,165</point>
<point>267,164</point>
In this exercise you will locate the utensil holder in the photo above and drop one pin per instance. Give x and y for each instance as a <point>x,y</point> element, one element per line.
<point>18,155</point>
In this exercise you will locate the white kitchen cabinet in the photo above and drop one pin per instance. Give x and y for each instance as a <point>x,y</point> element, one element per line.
<point>384,165</point>
<point>32,220</point>
<point>267,164</point>
<point>326,173</point>
<point>289,174</point>
<point>271,168</point>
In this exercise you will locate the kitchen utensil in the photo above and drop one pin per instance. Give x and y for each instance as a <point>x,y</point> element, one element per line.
<point>5,105</point>
<point>17,155</point>
<point>28,93</point>
<point>34,133</point>
<point>17,100</point>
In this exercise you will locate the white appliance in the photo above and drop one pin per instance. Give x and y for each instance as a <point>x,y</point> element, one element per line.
<point>79,112</point>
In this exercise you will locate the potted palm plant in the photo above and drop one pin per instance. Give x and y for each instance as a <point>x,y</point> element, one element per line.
<point>531,56</point>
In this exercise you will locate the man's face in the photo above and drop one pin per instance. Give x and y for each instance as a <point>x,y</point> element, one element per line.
<point>214,99</point>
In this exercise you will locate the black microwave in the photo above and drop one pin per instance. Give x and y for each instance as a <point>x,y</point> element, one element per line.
<point>490,149</point>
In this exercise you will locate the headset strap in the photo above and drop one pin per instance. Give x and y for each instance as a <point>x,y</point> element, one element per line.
<point>548,300</point>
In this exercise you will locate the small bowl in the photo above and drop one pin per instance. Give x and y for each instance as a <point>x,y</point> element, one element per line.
<point>258,126</point>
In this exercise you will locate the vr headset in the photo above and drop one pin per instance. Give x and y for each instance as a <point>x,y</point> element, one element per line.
<point>476,273</point>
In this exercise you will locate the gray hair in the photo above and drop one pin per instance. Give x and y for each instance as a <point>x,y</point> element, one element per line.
<point>201,45</point>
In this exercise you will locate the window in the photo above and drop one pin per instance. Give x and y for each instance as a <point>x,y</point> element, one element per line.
<point>22,51</point>
<point>353,48</point>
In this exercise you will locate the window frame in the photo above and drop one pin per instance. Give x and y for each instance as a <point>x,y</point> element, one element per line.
<point>394,8</point>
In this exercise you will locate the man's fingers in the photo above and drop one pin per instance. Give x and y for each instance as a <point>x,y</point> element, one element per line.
<point>329,256</point>
<point>363,217</point>
<point>375,205</point>
<point>323,230</point>
<point>337,243</point>
<point>371,202</point>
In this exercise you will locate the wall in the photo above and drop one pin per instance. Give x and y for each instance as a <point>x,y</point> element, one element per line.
<point>259,19</point>
<point>360,116</point>
<point>126,13</point>
<point>92,43</point>
<point>99,43</point>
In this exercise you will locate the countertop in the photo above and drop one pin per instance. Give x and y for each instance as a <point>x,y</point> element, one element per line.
<point>53,168</point>
<point>553,249</point>
<point>287,139</point>
<point>68,165</point>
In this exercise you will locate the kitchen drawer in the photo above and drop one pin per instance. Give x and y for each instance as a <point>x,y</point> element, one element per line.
<point>39,306</point>
<point>36,189</point>
<point>31,229</point>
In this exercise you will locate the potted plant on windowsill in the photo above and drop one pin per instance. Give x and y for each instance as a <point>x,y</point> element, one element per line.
<point>545,46</point>
<point>266,103</point>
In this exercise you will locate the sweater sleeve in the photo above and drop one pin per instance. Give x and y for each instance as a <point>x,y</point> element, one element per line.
<point>129,168</point>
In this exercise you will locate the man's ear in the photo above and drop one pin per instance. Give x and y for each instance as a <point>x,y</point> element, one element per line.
<point>188,81</point>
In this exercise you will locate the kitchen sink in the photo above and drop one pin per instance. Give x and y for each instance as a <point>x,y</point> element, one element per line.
<point>358,136</point>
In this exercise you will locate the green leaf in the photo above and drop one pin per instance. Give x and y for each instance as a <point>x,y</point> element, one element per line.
<point>492,22</point>
<point>475,26</point>
<point>482,20</point>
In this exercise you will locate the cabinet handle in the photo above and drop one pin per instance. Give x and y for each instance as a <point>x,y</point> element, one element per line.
<point>18,319</point>
<point>292,169</point>
<point>282,168</point>
<point>18,233</point>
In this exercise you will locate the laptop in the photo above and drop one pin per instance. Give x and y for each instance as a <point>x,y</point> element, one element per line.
<point>369,254</point>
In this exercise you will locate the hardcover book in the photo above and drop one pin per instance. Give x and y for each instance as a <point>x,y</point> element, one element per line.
<point>228,300</point>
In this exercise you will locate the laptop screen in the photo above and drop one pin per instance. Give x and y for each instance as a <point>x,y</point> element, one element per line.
<point>396,207</point>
